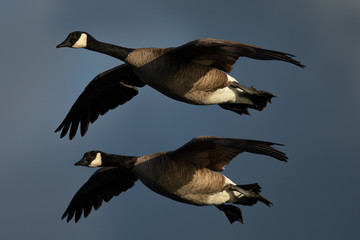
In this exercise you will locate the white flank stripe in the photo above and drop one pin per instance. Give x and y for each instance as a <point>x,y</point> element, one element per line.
<point>231,79</point>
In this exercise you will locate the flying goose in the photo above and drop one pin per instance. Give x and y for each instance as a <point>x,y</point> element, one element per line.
<point>194,73</point>
<point>190,174</point>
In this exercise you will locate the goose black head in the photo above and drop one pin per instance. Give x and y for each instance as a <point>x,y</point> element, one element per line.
<point>75,39</point>
<point>91,159</point>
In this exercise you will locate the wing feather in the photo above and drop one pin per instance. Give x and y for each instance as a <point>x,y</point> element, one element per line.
<point>215,152</point>
<point>101,186</point>
<point>105,92</point>
<point>223,54</point>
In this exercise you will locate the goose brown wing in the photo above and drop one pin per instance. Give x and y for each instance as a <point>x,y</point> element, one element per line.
<point>222,54</point>
<point>105,92</point>
<point>101,186</point>
<point>214,152</point>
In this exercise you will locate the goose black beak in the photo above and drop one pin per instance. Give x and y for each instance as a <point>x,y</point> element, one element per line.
<point>81,163</point>
<point>64,44</point>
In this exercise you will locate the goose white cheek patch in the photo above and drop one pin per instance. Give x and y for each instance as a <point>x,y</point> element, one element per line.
<point>81,42</point>
<point>97,162</point>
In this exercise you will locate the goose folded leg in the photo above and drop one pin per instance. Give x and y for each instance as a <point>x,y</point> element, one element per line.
<point>232,213</point>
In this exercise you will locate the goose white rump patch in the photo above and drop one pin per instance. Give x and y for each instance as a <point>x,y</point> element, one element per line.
<point>224,196</point>
<point>225,95</point>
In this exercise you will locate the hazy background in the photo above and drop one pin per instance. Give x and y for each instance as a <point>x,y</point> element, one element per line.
<point>316,115</point>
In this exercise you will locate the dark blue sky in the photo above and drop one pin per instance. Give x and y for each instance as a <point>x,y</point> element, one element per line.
<point>316,115</point>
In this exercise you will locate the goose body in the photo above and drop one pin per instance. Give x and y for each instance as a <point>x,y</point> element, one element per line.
<point>178,180</point>
<point>190,174</point>
<point>183,81</point>
<point>195,73</point>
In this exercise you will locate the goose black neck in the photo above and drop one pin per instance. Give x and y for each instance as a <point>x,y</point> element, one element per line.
<point>109,49</point>
<point>118,160</point>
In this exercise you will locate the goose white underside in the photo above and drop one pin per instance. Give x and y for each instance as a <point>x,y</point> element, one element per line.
<point>225,196</point>
<point>227,95</point>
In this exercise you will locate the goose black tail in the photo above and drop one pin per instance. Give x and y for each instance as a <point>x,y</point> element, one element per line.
<point>258,99</point>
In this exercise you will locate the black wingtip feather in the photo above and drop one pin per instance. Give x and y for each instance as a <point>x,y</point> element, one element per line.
<point>105,92</point>
<point>265,54</point>
<point>59,128</point>
<point>84,125</point>
<point>64,130</point>
<point>74,128</point>
<point>266,148</point>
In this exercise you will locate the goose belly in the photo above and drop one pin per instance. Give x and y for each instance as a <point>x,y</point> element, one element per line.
<point>158,175</point>
<point>191,83</point>
<point>156,183</point>
<point>184,183</point>
<point>221,95</point>
<point>214,191</point>
<point>172,84</point>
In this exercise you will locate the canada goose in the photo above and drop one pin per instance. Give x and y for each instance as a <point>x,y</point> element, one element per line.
<point>193,73</point>
<point>189,174</point>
